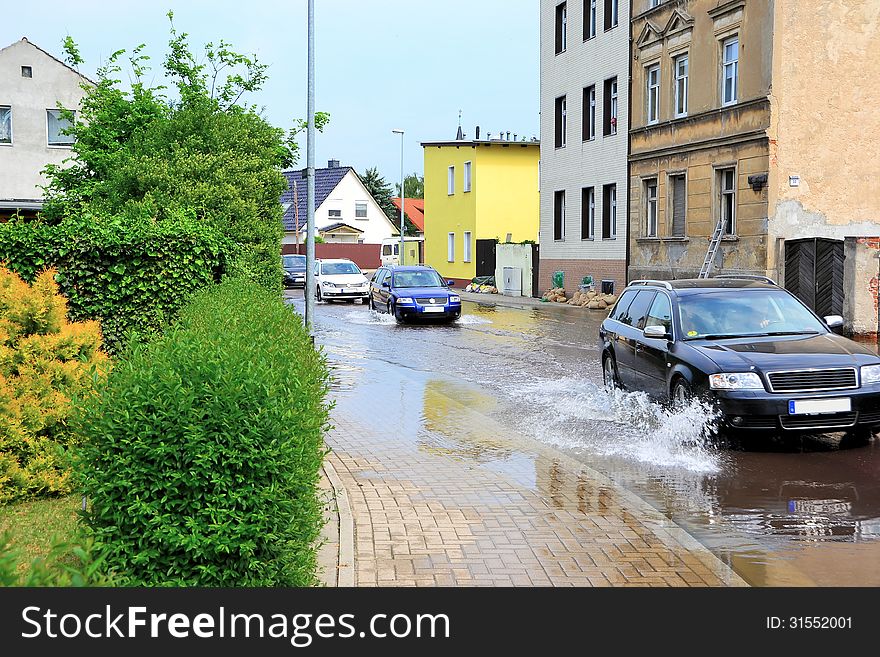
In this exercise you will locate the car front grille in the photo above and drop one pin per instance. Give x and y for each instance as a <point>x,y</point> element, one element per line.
<point>431,301</point>
<point>813,380</point>
<point>830,421</point>
<point>757,422</point>
<point>872,417</point>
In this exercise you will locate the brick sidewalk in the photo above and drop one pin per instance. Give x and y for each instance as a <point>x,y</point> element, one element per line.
<point>426,514</point>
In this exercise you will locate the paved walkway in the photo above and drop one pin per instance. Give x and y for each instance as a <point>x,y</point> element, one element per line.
<point>434,514</point>
<point>524,302</point>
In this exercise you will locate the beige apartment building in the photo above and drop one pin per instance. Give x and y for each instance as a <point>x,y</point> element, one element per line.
<point>760,116</point>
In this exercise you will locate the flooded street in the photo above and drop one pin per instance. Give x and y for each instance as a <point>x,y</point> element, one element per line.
<point>800,513</point>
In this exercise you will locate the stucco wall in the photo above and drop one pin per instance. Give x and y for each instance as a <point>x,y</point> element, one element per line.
<point>52,83</point>
<point>514,255</point>
<point>861,277</point>
<point>825,127</point>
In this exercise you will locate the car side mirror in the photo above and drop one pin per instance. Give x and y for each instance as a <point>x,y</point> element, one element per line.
<point>385,284</point>
<point>655,331</point>
<point>834,321</point>
<point>450,282</point>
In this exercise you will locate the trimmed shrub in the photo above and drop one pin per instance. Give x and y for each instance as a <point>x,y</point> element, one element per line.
<point>132,275</point>
<point>201,456</point>
<point>44,361</point>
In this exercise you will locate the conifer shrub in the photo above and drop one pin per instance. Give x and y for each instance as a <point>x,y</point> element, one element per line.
<point>44,361</point>
<point>200,457</point>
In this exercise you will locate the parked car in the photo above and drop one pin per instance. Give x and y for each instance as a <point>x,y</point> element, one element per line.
<point>340,279</point>
<point>294,267</point>
<point>749,346</point>
<point>414,292</point>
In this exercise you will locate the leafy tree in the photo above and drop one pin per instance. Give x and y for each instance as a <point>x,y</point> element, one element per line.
<point>381,192</point>
<point>140,155</point>
<point>413,185</point>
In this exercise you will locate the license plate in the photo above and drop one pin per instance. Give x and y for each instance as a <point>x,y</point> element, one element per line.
<point>819,406</point>
<point>433,309</point>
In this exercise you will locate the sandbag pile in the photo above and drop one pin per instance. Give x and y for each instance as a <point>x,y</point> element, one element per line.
<point>592,300</point>
<point>481,289</point>
<point>555,295</point>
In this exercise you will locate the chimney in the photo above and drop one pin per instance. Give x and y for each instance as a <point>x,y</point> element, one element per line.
<point>478,134</point>
<point>332,164</point>
<point>508,135</point>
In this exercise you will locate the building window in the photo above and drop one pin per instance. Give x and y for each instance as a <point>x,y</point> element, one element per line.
<point>609,211</point>
<point>27,72</point>
<point>729,70</point>
<point>450,181</point>
<point>727,209</point>
<point>588,213</point>
<point>589,19</point>
<point>589,119</point>
<point>560,122</point>
<point>360,210</point>
<point>467,177</point>
<point>611,17</point>
<point>559,215</point>
<point>467,246</point>
<point>680,89</point>
<point>5,125</point>
<point>609,123</point>
<point>336,214</point>
<point>56,127</point>
<point>654,3</point>
<point>561,19</point>
<point>678,187</point>
<point>652,77</point>
<point>450,247</point>
<point>651,208</point>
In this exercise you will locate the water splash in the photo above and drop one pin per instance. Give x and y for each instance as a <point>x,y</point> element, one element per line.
<point>472,320</point>
<point>370,318</point>
<point>578,412</point>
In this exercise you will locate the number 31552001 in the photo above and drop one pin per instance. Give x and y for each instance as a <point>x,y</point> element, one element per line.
<point>809,623</point>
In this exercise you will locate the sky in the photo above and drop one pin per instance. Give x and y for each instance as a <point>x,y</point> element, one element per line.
<point>380,64</point>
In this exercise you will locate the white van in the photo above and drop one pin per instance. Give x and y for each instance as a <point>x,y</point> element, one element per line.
<point>413,249</point>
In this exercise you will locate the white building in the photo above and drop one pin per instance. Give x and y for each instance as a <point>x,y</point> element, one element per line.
<point>584,141</point>
<point>33,84</point>
<point>342,203</point>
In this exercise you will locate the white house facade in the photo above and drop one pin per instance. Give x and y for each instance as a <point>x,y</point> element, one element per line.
<point>33,84</point>
<point>584,141</point>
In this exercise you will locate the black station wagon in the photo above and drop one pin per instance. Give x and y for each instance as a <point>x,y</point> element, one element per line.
<point>751,347</point>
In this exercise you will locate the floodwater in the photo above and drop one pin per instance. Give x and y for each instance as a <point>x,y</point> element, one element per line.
<point>797,513</point>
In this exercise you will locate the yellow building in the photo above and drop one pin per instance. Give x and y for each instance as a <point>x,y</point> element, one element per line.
<point>478,192</point>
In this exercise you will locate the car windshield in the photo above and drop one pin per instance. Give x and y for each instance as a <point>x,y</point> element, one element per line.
<point>417,278</point>
<point>292,261</point>
<point>745,313</point>
<point>330,268</point>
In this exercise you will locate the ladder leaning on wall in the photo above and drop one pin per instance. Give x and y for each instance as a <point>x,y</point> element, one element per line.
<point>714,242</point>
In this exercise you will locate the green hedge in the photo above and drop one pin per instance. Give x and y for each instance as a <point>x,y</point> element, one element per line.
<point>201,454</point>
<point>132,276</point>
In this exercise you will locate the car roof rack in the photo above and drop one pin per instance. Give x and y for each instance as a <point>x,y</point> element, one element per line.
<point>649,282</point>
<point>749,277</point>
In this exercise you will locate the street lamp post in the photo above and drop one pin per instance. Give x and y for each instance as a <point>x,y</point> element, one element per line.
<point>309,291</point>
<point>398,131</point>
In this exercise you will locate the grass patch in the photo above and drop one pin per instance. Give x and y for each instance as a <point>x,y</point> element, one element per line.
<point>33,527</point>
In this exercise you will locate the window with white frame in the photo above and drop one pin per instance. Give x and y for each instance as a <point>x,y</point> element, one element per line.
<point>559,215</point>
<point>589,19</point>
<point>450,247</point>
<point>609,211</point>
<point>561,121</point>
<point>588,128</point>
<point>5,124</point>
<point>609,126</point>
<point>360,210</point>
<point>729,70</point>
<point>651,208</point>
<point>334,214</point>
<point>467,177</point>
<point>611,17</point>
<point>680,84</point>
<point>56,125</point>
<point>450,181</point>
<point>467,246</point>
<point>652,79</point>
<point>561,27</point>
<point>727,199</point>
<point>588,213</point>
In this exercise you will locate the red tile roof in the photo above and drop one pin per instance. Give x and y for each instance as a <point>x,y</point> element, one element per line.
<point>415,210</point>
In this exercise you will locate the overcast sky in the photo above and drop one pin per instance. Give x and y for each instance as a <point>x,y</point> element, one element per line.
<point>381,64</point>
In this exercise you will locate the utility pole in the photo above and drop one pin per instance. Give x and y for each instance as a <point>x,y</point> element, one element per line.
<point>397,131</point>
<point>309,292</point>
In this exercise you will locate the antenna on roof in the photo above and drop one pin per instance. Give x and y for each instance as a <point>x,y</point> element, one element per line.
<point>459,136</point>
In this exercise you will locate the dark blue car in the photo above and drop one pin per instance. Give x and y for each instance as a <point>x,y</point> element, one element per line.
<point>413,292</point>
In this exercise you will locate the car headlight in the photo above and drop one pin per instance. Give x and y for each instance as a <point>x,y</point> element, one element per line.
<point>328,284</point>
<point>870,374</point>
<point>735,381</point>
<point>454,299</point>
<point>405,300</point>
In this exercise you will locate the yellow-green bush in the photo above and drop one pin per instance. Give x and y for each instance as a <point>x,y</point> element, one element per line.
<point>44,361</point>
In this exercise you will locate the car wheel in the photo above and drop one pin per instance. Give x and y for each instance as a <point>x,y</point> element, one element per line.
<point>609,373</point>
<point>681,393</point>
<point>318,294</point>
